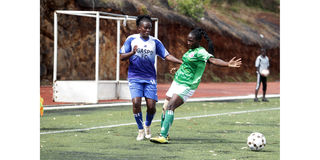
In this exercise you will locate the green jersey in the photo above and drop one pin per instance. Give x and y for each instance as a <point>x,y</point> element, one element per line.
<point>190,72</point>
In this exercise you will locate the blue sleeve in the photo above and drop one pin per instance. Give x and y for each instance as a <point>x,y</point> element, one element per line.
<point>126,46</point>
<point>160,50</point>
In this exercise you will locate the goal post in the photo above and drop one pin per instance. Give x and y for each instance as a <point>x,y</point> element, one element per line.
<point>91,91</point>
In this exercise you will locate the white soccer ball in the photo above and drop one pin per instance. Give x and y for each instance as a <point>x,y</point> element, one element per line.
<point>256,141</point>
<point>265,72</point>
<point>261,35</point>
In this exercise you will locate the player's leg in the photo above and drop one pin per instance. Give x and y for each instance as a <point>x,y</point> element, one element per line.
<point>151,110</point>
<point>264,89</point>
<point>174,103</point>
<point>163,113</point>
<point>136,103</point>
<point>136,91</point>
<point>164,108</point>
<point>173,89</point>
<point>150,93</point>
<point>257,87</point>
<point>180,94</point>
<point>169,94</point>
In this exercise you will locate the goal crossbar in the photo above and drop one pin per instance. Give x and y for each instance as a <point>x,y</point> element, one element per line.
<point>96,83</point>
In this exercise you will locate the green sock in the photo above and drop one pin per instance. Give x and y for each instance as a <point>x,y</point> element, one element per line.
<point>162,119</point>
<point>168,120</point>
<point>164,107</point>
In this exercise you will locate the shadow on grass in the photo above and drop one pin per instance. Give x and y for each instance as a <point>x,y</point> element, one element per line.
<point>263,150</point>
<point>202,141</point>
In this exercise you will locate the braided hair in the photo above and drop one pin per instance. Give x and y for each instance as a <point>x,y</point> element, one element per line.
<point>198,33</point>
<point>143,18</point>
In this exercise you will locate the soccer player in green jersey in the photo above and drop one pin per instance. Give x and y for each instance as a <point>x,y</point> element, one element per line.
<point>188,77</point>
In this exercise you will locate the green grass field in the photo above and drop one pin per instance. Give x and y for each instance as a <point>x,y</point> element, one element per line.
<point>221,136</point>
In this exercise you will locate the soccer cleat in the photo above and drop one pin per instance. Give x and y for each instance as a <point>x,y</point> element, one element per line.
<point>168,137</point>
<point>159,139</point>
<point>256,100</point>
<point>140,135</point>
<point>265,100</point>
<point>147,131</point>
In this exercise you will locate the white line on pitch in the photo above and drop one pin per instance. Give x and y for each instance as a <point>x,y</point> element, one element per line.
<point>190,117</point>
<point>211,99</point>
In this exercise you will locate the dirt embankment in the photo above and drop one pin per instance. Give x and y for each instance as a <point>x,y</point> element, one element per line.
<point>77,38</point>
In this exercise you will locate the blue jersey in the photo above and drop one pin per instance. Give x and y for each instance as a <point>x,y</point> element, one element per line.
<point>142,62</point>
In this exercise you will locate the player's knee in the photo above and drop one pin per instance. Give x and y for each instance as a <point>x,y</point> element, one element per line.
<point>170,107</point>
<point>136,105</point>
<point>165,104</point>
<point>151,110</point>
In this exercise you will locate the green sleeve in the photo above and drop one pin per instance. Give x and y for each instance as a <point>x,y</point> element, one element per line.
<point>203,55</point>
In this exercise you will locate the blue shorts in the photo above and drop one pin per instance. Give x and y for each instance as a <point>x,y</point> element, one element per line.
<point>143,88</point>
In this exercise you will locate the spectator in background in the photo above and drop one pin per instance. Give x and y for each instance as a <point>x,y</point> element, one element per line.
<point>262,63</point>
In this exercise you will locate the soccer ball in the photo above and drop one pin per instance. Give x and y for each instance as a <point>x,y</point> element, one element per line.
<point>256,141</point>
<point>265,72</point>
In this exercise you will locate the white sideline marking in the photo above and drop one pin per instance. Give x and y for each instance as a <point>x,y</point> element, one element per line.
<point>251,96</point>
<point>190,117</point>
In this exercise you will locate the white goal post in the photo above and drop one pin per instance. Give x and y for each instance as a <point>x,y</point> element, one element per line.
<point>90,91</point>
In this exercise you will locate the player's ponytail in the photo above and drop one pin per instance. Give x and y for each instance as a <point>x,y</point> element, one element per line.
<point>210,43</point>
<point>198,33</point>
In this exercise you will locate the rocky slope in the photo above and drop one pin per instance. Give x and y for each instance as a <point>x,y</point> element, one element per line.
<point>235,33</point>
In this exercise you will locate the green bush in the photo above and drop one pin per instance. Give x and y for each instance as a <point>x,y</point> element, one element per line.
<point>191,8</point>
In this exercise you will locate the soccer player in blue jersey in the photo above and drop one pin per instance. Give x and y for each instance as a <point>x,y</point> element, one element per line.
<point>141,50</point>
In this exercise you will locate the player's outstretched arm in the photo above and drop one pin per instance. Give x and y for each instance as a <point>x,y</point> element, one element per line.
<point>173,59</point>
<point>235,63</point>
<point>126,56</point>
<point>232,63</point>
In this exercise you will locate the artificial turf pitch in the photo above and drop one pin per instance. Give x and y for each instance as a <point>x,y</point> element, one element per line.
<point>221,136</point>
